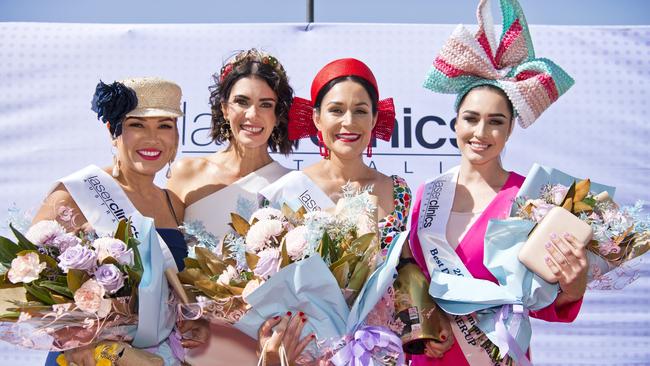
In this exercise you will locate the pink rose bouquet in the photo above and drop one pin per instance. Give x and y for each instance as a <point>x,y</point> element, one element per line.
<point>60,291</point>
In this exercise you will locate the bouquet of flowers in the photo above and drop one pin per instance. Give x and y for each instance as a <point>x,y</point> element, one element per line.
<point>62,291</point>
<point>620,234</point>
<point>279,260</point>
<point>620,239</point>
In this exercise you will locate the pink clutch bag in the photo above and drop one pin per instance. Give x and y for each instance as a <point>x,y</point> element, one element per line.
<point>558,221</point>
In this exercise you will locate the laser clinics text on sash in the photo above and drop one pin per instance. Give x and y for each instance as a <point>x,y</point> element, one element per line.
<point>95,184</point>
<point>431,210</point>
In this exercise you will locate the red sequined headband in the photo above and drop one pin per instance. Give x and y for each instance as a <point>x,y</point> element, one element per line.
<point>301,123</point>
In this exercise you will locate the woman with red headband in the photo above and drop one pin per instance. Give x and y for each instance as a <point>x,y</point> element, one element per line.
<point>345,113</point>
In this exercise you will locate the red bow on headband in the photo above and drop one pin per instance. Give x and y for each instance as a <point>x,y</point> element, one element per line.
<point>301,123</point>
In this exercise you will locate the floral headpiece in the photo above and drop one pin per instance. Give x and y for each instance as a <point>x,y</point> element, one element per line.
<point>135,97</point>
<point>252,55</point>
<point>112,102</point>
<point>301,123</point>
<point>465,61</point>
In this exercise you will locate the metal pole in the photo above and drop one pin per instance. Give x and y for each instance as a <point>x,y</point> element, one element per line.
<point>310,11</point>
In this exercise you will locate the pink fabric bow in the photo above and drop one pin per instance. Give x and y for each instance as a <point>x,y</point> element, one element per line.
<point>466,60</point>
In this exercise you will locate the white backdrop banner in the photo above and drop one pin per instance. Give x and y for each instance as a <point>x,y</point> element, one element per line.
<point>599,129</point>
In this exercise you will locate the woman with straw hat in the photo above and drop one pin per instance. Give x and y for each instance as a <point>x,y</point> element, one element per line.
<point>140,115</point>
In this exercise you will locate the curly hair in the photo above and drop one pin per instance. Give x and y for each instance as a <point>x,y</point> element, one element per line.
<point>263,66</point>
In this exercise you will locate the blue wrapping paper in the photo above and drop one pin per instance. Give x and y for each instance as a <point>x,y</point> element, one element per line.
<point>309,286</point>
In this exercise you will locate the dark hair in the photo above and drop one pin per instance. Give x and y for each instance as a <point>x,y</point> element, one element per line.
<point>493,88</point>
<point>253,63</point>
<point>374,97</point>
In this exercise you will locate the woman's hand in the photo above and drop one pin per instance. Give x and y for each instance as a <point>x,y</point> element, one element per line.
<point>285,331</point>
<point>82,356</point>
<point>567,260</point>
<point>195,333</point>
<point>436,349</point>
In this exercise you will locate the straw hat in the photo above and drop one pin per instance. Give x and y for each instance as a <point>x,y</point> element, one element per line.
<point>156,97</point>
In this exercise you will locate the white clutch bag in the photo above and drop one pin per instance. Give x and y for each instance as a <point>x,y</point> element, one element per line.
<point>558,221</point>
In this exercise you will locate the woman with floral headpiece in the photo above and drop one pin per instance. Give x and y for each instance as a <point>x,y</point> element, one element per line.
<point>250,103</point>
<point>140,114</point>
<point>495,83</point>
<point>345,114</point>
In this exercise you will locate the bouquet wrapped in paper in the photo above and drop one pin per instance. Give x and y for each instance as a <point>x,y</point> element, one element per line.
<point>619,239</point>
<point>620,236</point>
<point>61,291</point>
<point>279,260</point>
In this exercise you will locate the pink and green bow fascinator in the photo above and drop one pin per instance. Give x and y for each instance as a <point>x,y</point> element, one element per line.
<point>465,61</point>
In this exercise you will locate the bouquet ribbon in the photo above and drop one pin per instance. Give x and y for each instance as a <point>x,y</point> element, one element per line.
<point>359,350</point>
<point>506,337</point>
<point>502,309</point>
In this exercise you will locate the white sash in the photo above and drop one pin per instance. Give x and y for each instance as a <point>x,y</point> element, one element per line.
<point>104,203</point>
<point>296,189</point>
<point>435,209</point>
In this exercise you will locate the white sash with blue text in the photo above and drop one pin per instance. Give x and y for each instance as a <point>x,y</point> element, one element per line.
<point>435,209</point>
<point>296,189</point>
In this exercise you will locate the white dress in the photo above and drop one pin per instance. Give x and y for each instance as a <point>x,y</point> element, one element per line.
<point>229,346</point>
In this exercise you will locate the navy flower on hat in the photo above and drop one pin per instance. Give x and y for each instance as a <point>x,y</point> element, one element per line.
<point>112,102</point>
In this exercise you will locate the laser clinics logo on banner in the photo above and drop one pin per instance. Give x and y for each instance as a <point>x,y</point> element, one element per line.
<point>418,139</point>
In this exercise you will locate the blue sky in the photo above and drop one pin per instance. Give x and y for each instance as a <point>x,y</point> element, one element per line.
<point>569,12</point>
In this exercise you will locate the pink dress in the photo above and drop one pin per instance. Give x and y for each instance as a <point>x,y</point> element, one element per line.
<point>470,251</point>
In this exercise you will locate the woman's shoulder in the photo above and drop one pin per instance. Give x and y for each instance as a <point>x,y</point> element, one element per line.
<point>185,175</point>
<point>187,168</point>
<point>59,205</point>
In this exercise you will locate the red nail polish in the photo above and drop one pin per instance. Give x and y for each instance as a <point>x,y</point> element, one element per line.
<point>313,336</point>
<point>301,313</point>
<point>276,317</point>
<point>288,313</point>
<point>303,320</point>
<point>443,337</point>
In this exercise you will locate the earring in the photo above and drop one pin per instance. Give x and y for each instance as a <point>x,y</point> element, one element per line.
<point>169,169</point>
<point>369,150</point>
<point>225,129</point>
<point>116,169</point>
<point>275,137</point>
<point>322,149</point>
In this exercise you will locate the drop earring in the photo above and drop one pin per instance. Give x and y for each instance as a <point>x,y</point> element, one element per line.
<point>322,149</point>
<point>169,169</point>
<point>116,168</point>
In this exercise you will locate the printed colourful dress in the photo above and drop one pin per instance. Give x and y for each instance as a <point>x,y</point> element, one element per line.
<point>397,221</point>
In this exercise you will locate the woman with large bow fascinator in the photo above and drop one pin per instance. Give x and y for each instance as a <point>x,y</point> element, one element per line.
<point>496,83</point>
